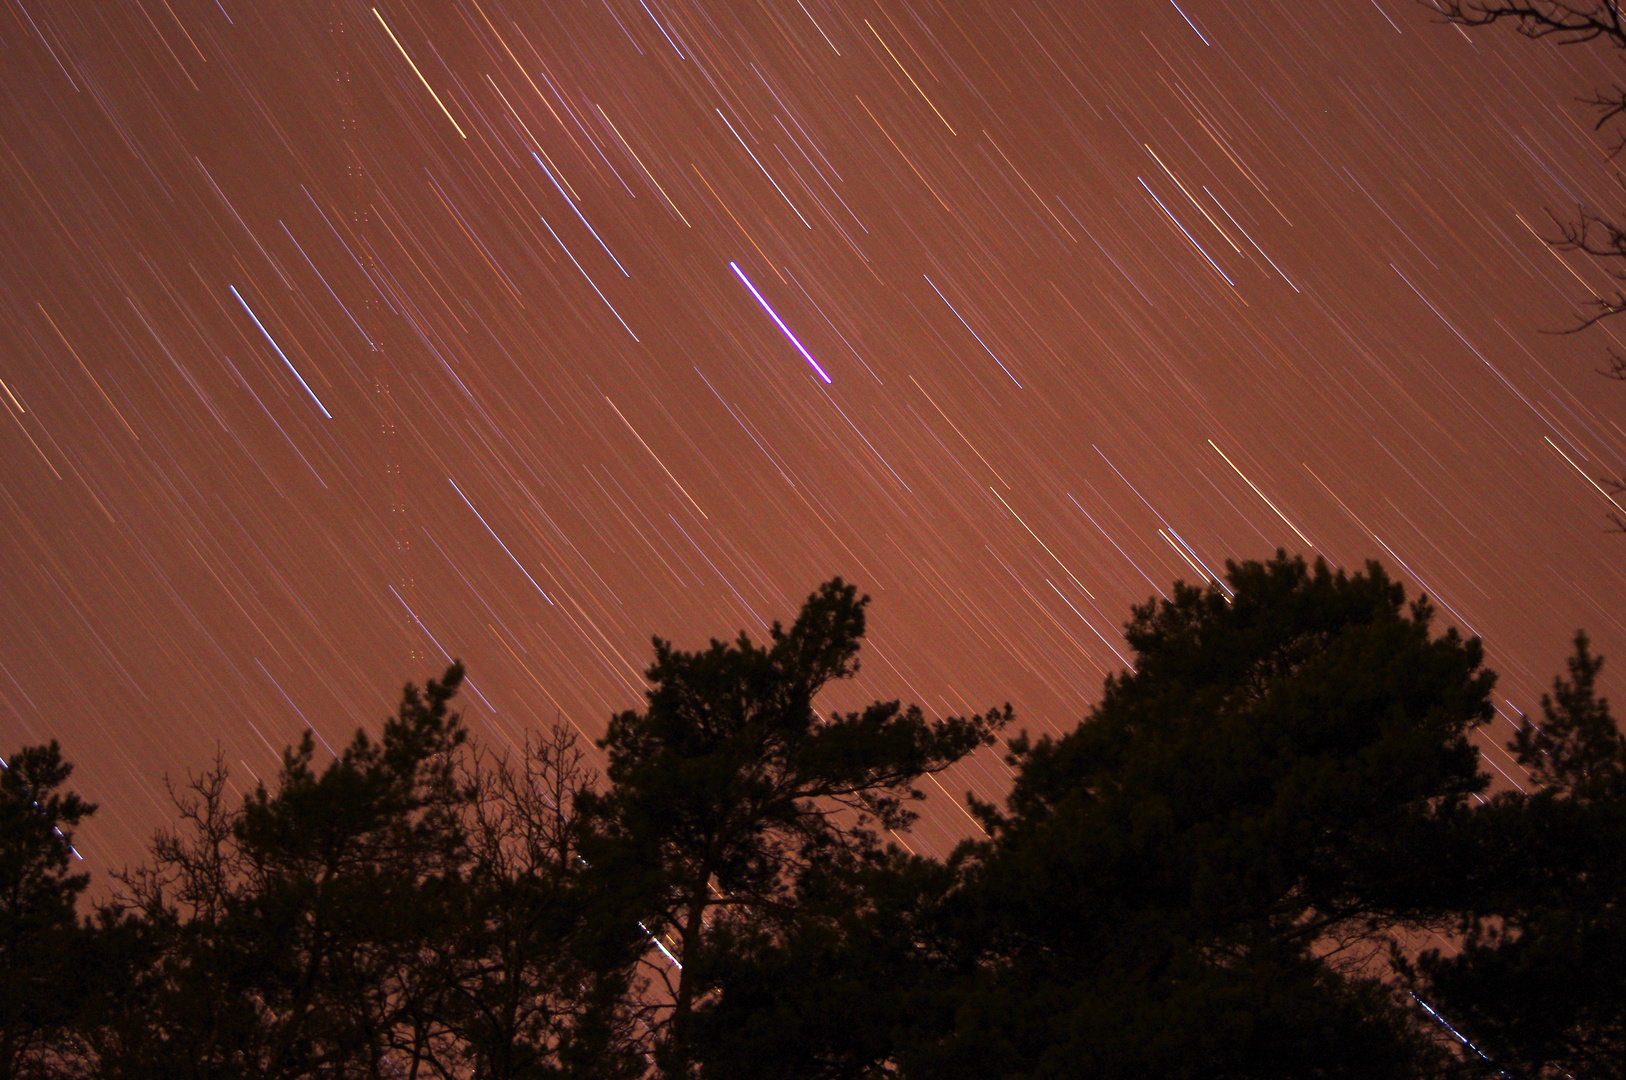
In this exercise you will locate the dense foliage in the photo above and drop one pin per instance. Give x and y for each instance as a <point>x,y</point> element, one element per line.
<point>1242,863</point>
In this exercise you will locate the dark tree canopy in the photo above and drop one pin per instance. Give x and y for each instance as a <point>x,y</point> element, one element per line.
<point>729,789</point>
<point>40,983</point>
<point>282,935</point>
<point>1231,868</point>
<point>1200,880</point>
<point>1539,983</point>
<point>404,909</point>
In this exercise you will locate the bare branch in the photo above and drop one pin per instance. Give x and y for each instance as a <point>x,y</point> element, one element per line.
<point>1566,22</point>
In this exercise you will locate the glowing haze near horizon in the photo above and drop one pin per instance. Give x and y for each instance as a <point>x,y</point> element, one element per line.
<point>341,340</point>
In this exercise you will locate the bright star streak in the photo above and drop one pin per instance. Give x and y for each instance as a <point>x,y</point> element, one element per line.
<point>280,353</point>
<point>1042,544</point>
<point>497,538</point>
<point>418,73</point>
<point>1086,622</point>
<point>584,220</point>
<point>591,282</point>
<point>974,334</point>
<point>297,710</point>
<point>1203,568</point>
<point>413,615</point>
<point>1259,493</point>
<point>657,458</point>
<point>1251,240</point>
<point>1584,476</point>
<point>778,321</point>
<point>1188,235</point>
<point>765,171</point>
<point>675,49</point>
<point>37,806</point>
<point>1193,25</point>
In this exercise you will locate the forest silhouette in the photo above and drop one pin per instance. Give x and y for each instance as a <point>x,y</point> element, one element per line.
<point>1268,850</point>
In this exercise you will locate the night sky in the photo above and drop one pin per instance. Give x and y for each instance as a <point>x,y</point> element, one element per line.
<point>340,341</point>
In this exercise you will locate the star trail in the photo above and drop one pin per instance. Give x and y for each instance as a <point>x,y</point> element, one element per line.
<point>343,338</point>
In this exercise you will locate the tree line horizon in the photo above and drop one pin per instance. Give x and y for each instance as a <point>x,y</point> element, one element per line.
<point>1269,849</point>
